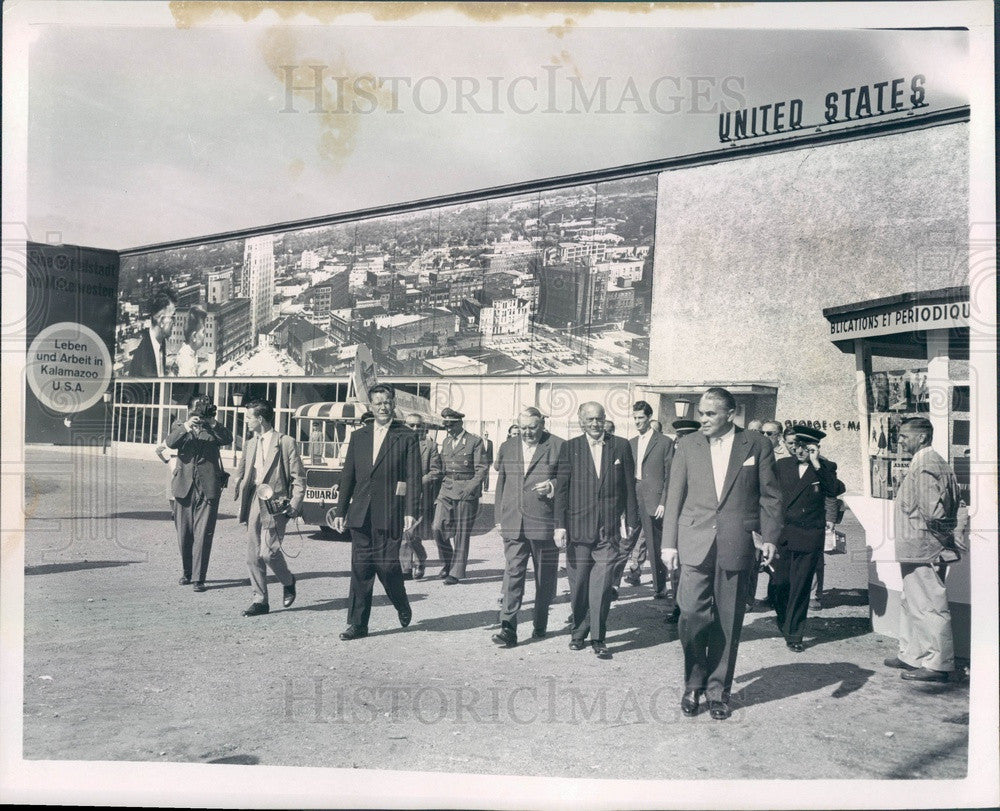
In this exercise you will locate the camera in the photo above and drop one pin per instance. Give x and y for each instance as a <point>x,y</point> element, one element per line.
<point>203,407</point>
<point>274,505</point>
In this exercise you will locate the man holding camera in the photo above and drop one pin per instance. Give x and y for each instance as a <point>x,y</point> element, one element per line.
<point>270,486</point>
<point>196,485</point>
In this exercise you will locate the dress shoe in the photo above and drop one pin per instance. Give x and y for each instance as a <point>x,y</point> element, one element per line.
<point>663,594</point>
<point>924,674</point>
<point>199,587</point>
<point>256,609</point>
<point>719,710</point>
<point>795,645</point>
<point>577,644</point>
<point>614,594</point>
<point>405,617</point>
<point>288,594</point>
<point>450,581</point>
<point>632,578</point>
<point>353,632</point>
<point>689,702</point>
<point>444,573</point>
<point>407,575</point>
<point>538,633</point>
<point>816,604</point>
<point>673,616</point>
<point>898,664</point>
<point>418,572</point>
<point>601,650</point>
<point>506,637</point>
<point>184,581</point>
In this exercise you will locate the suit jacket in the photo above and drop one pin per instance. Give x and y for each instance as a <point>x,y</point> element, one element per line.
<point>432,470</point>
<point>651,490</point>
<point>928,491</point>
<point>488,451</point>
<point>283,471</point>
<point>519,509</point>
<point>589,506</point>
<point>383,490</point>
<point>143,363</point>
<point>198,458</point>
<point>696,519</point>
<point>805,501</point>
<point>464,468</point>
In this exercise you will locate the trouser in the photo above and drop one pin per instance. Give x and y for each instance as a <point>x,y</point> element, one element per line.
<point>264,535</point>
<point>454,518</point>
<point>925,638</point>
<point>591,569</point>
<point>792,581</point>
<point>652,532</point>
<point>374,553</point>
<point>820,567</point>
<point>545,562</point>
<point>194,519</point>
<point>712,603</point>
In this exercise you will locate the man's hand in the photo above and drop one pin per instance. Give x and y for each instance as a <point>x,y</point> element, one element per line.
<point>669,557</point>
<point>660,510</point>
<point>291,512</point>
<point>192,424</point>
<point>768,553</point>
<point>408,523</point>
<point>813,451</point>
<point>496,527</point>
<point>338,524</point>
<point>559,536</point>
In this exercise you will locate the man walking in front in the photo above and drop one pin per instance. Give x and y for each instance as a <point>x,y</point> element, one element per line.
<point>595,488</point>
<point>525,520</point>
<point>722,490</point>
<point>380,489</point>
<point>412,555</point>
<point>925,510</point>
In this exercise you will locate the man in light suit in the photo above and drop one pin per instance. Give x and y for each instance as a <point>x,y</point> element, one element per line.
<point>653,454</point>
<point>196,485</point>
<point>926,508</point>
<point>150,357</point>
<point>464,460</point>
<point>380,494</point>
<point>488,453</point>
<point>595,489</point>
<point>270,464</point>
<point>412,555</point>
<point>525,521</point>
<point>722,489</point>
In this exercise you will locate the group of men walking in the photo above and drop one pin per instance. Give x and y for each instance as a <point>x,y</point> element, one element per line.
<point>713,506</point>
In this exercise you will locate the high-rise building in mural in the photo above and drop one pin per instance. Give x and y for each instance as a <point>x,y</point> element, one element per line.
<point>258,279</point>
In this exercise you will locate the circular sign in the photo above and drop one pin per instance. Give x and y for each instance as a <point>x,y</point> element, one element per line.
<point>69,367</point>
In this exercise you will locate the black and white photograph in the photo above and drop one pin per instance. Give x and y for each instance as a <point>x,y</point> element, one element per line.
<point>644,355</point>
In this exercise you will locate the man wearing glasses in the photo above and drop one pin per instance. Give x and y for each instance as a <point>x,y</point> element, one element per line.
<point>772,430</point>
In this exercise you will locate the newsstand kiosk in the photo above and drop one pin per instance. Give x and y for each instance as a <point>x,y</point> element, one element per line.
<point>912,359</point>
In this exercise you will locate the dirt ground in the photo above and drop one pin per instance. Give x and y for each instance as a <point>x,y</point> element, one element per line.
<point>121,663</point>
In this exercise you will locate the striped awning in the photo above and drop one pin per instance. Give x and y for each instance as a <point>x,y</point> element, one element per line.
<point>331,411</point>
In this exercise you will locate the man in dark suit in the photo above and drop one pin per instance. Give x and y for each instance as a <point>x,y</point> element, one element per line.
<point>412,555</point>
<point>464,461</point>
<point>196,485</point>
<point>723,489</point>
<point>809,488</point>
<point>379,500</point>
<point>595,488</point>
<point>488,453</point>
<point>653,454</point>
<point>150,357</point>
<point>525,521</point>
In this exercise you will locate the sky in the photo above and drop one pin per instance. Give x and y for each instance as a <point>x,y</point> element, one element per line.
<point>139,135</point>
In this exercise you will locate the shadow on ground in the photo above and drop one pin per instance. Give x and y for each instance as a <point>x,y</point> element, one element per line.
<point>779,682</point>
<point>75,566</point>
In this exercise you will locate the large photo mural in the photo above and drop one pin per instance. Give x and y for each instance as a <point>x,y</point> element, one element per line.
<point>555,282</point>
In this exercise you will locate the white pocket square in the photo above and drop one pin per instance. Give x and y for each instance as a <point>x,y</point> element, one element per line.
<point>750,462</point>
<point>618,461</point>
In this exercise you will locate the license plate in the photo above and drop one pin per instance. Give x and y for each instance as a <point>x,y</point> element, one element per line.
<point>326,494</point>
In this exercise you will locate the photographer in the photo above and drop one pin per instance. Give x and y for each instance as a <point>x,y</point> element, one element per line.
<point>270,486</point>
<point>197,483</point>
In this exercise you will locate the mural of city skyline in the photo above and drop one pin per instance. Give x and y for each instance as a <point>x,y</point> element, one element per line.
<point>548,283</point>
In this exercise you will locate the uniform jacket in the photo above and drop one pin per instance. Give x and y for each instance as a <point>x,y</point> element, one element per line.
<point>651,490</point>
<point>588,506</point>
<point>143,362</point>
<point>386,489</point>
<point>464,468</point>
<point>696,519</point>
<point>283,471</point>
<point>519,509</point>
<point>928,491</point>
<point>197,458</point>
<point>806,502</point>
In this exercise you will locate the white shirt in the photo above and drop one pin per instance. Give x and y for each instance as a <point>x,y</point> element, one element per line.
<point>156,353</point>
<point>640,452</point>
<point>597,451</point>
<point>380,432</point>
<point>803,466</point>
<point>922,452</point>
<point>721,448</point>
<point>528,452</point>
<point>263,443</point>
<point>187,362</point>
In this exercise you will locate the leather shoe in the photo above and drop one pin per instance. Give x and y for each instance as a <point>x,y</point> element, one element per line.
<point>924,674</point>
<point>288,594</point>
<point>719,710</point>
<point>661,595</point>
<point>632,579</point>
<point>444,573</point>
<point>418,572</point>
<point>407,575</point>
<point>353,632</point>
<point>538,633</point>
<point>689,702</point>
<point>795,646</point>
<point>577,644</point>
<point>601,650</point>
<point>673,616</point>
<point>898,664</point>
<point>405,617</point>
<point>506,637</point>
<point>450,581</point>
<point>199,587</point>
<point>184,581</point>
<point>256,609</point>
